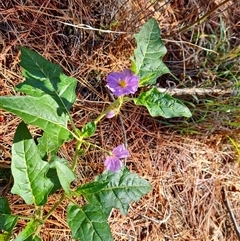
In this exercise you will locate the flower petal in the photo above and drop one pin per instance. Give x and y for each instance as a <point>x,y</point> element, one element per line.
<point>120,151</point>
<point>114,80</point>
<point>112,163</point>
<point>111,114</point>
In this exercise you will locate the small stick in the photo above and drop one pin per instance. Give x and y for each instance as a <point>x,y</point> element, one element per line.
<point>88,27</point>
<point>196,91</point>
<point>236,227</point>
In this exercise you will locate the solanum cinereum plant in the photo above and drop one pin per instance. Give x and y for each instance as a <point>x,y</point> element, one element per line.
<point>39,172</point>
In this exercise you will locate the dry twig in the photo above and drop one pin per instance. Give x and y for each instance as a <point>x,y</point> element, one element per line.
<point>226,201</point>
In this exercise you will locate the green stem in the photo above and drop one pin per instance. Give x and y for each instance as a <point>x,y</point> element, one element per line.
<point>53,208</point>
<point>75,158</point>
<point>39,212</point>
<point>25,218</point>
<point>75,129</point>
<point>75,135</point>
<point>39,216</point>
<point>94,145</point>
<point>115,104</point>
<point>72,201</point>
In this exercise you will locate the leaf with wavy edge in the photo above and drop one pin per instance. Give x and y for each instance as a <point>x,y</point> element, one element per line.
<point>88,223</point>
<point>123,188</point>
<point>42,111</point>
<point>162,104</point>
<point>43,77</point>
<point>28,170</point>
<point>147,60</point>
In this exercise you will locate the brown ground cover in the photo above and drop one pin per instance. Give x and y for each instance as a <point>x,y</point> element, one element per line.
<point>189,172</point>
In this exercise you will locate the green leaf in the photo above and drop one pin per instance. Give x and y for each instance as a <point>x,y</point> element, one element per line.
<point>88,223</point>
<point>65,175</point>
<point>7,221</point>
<point>28,170</point>
<point>42,111</point>
<point>52,173</point>
<point>89,129</point>
<point>162,104</point>
<point>147,60</point>
<point>4,206</point>
<point>27,233</point>
<point>43,77</point>
<point>90,188</point>
<point>48,145</point>
<point>123,188</point>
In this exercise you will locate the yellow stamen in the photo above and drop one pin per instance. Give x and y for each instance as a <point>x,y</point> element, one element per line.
<point>122,83</point>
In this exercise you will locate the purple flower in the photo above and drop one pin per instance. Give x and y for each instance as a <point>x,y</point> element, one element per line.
<point>122,83</point>
<point>113,163</point>
<point>111,114</point>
